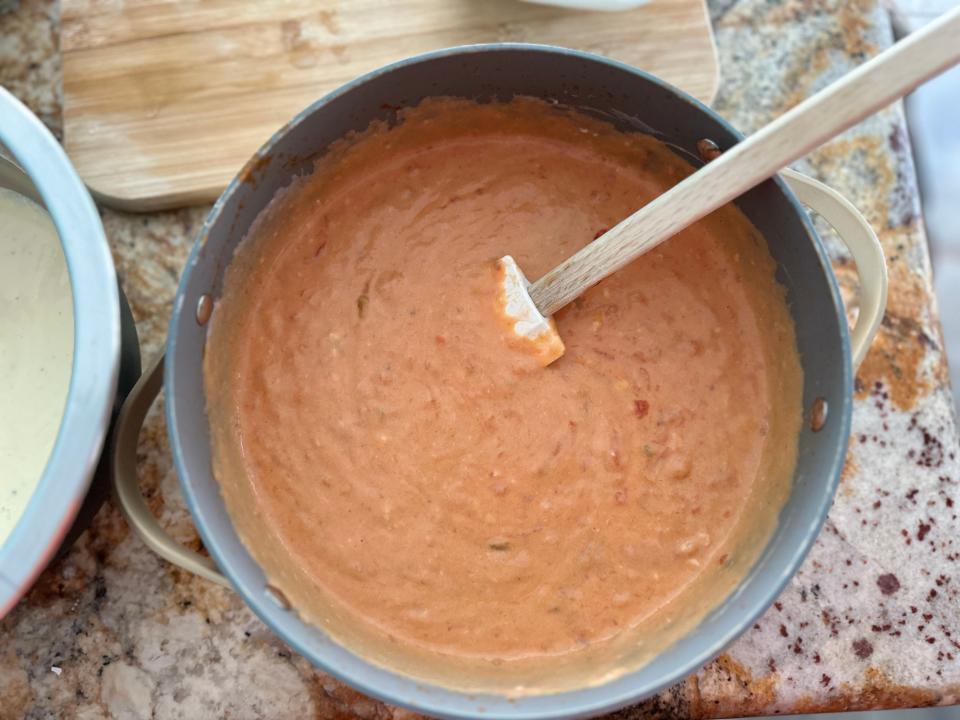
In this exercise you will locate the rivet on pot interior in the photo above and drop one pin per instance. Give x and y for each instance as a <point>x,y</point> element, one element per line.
<point>708,149</point>
<point>204,309</point>
<point>277,596</point>
<point>818,414</point>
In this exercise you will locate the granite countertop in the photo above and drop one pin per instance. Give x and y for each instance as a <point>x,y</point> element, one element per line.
<point>872,620</point>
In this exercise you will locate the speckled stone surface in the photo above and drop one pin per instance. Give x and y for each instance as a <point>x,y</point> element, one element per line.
<point>872,620</point>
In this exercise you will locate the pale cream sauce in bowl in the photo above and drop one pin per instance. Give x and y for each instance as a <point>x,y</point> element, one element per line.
<point>36,349</point>
<point>61,345</point>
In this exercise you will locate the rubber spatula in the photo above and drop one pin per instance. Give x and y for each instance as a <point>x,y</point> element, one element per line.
<point>872,86</point>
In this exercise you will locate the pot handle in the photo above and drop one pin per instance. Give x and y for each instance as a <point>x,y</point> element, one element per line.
<point>123,466</point>
<point>860,239</point>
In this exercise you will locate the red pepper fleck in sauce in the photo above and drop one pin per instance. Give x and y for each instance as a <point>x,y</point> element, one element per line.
<point>641,408</point>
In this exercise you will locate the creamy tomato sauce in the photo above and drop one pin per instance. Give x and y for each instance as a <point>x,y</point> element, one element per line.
<point>403,472</point>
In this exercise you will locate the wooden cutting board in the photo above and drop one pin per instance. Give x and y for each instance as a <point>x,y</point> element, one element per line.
<point>164,100</point>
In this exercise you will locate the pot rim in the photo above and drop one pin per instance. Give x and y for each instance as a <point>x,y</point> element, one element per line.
<point>421,696</point>
<point>66,477</point>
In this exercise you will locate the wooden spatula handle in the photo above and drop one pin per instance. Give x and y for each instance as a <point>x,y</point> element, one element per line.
<point>870,87</point>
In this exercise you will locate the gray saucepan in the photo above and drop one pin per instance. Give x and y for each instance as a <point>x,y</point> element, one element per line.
<point>633,100</point>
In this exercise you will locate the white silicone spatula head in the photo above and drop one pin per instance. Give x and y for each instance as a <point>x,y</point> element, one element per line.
<point>526,321</point>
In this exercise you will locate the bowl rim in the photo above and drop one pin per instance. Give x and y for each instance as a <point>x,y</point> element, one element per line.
<point>421,696</point>
<point>66,477</point>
